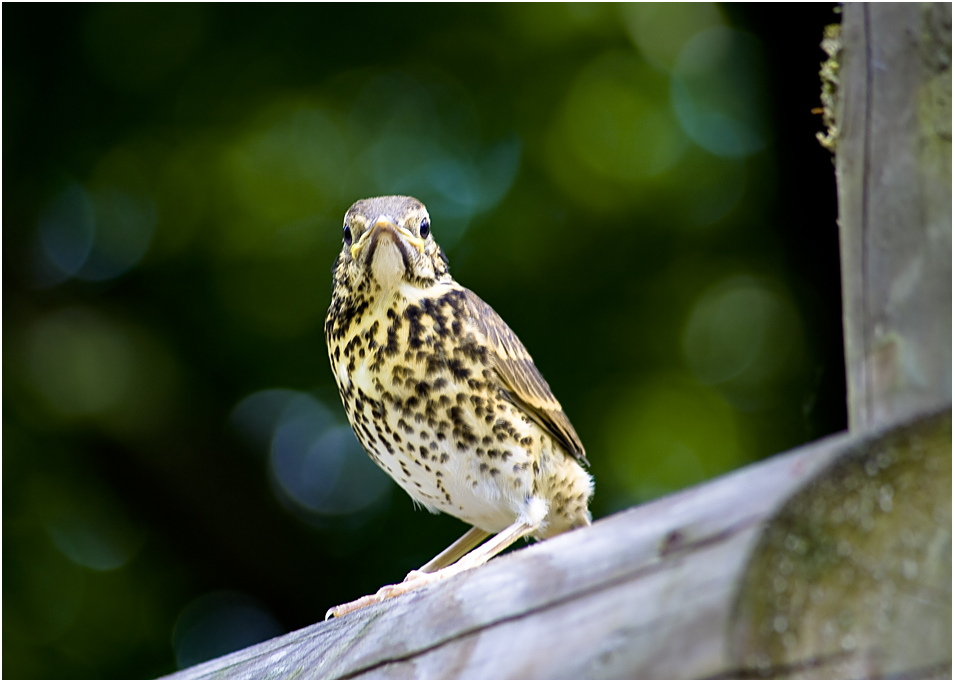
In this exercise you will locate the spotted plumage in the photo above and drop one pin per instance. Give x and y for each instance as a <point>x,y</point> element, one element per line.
<point>440,392</point>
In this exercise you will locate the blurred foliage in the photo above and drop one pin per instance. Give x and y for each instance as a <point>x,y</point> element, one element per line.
<point>636,189</point>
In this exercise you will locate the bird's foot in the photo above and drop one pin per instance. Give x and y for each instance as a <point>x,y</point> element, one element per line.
<point>475,558</point>
<point>415,579</point>
<point>415,574</point>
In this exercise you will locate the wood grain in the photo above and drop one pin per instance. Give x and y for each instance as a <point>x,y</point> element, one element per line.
<point>683,587</point>
<point>894,176</point>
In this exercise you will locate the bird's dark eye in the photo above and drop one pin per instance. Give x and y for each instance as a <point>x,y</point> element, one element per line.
<point>425,228</point>
<point>347,236</point>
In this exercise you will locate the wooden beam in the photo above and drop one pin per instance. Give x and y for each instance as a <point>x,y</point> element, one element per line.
<point>831,561</point>
<point>894,176</point>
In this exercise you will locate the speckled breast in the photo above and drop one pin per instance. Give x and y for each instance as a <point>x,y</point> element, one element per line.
<point>423,401</point>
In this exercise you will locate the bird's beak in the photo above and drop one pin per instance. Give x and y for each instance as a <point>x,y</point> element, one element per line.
<point>385,223</point>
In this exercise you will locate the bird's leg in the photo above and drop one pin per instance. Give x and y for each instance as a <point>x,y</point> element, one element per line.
<point>454,552</point>
<point>526,524</point>
<point>483,553</point>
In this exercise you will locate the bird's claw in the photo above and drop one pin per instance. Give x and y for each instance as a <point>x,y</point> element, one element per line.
<point>415,579</point>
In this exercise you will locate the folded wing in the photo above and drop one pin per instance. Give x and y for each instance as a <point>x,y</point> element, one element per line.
<point>520,377</point>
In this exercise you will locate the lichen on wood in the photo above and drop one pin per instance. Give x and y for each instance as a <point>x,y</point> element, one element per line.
<point>829,75</point>
<point>852,578</point>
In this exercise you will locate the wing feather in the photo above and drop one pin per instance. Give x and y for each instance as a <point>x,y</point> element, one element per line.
<point>520,377</point>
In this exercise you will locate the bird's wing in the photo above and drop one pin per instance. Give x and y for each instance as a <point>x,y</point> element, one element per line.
<point>521,378</point>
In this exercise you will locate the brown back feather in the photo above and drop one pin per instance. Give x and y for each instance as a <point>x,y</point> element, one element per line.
<point>521,378</point>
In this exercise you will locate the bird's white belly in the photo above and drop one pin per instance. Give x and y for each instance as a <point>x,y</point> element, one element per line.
<point>444,478</point>
<point>487,505</point>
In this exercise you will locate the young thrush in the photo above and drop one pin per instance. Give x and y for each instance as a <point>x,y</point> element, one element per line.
<point>443,395</point>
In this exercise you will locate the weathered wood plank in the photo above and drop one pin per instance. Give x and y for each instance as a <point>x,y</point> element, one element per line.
<point>674,589</point>
<point>894,174</point>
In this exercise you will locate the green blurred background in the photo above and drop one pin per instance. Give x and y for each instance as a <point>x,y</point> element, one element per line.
<point>636,189</point>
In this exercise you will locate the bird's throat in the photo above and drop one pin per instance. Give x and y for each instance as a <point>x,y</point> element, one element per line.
<point>387,264</point>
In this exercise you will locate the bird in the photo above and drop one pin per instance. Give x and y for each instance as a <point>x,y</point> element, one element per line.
<point>444,397</point>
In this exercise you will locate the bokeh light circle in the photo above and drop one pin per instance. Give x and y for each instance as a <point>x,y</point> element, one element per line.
<point>617,120</point>
<point>744,337</point>
<point>315,461</point>
<point>718,90</point>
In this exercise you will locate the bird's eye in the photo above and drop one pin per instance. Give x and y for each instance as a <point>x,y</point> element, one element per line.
<point>347,236</point>
<point>425,229</point>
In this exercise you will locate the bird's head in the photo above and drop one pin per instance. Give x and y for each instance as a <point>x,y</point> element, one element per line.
<point>387,241</point>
